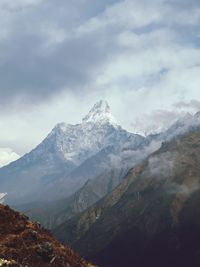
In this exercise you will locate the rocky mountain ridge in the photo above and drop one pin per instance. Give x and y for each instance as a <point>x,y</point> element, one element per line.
<point>50,166</point>
<point>151,218</point>
<point>118,158</point>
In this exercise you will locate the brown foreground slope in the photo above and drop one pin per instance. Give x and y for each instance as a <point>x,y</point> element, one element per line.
<point>24,243</point>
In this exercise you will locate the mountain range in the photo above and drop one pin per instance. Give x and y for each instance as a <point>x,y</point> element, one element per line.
<point>151,218</point>
<point>52,214</point>
<point>67,158</point>
<point>118,159</point>
<point>98,153</point>
<point>52,182</point>
<point>120,199</point>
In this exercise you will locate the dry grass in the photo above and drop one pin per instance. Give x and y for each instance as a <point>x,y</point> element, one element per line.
<point>29,245</point>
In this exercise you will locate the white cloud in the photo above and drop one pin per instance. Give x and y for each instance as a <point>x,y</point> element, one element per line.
<point>155,121</point>
<point>7,156</point>
<point>126,14</point>
<point>141,55</point>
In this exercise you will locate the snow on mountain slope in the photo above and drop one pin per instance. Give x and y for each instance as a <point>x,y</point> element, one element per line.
<point>118,158</point>
<point>2,195</point>
<point>183,125</point>
<point>61,152</point>
<point>71,154</point>
<point>97,130</point>
<point>100,114</point>
<point>90,146</point>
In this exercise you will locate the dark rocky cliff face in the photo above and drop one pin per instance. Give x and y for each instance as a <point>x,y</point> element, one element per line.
<point>152,218</point>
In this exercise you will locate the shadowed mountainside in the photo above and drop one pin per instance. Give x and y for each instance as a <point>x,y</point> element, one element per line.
<point>151,218</point>
<point>52,214</point>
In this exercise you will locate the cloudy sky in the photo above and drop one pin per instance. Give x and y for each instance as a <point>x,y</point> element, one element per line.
<point>57,58</point>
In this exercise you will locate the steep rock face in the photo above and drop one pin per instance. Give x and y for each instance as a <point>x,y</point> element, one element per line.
<point>23,243</point>
<point>72,154</point>
<point>57,212</point>
<point>119,160</point>
<point>48,170</point>
<point>151,218</point>
<point>120,157</point>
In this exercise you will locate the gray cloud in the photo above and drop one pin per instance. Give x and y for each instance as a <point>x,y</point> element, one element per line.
<point>56,56</point>
<point>48,47</point>
<point>128,158</point>
<point>183,189</point>
<point>162,166</point>
<point>193,104</point>
<point>41,54</point>
<point>156,121</point>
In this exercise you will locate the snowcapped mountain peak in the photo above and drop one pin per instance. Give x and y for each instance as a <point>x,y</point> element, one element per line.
<point>101,106</point>
<point>77,142</point>
<point>100,113</point>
